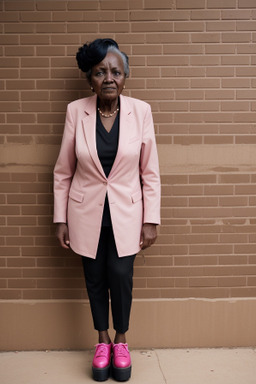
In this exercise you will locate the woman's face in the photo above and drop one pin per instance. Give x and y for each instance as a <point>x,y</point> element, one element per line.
<point>108,77</point>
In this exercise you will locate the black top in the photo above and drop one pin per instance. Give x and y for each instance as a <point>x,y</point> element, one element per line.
<point>107,144</point>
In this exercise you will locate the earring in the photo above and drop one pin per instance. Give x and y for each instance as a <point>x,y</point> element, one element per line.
<point>92,89</point>
<point>124,87</point>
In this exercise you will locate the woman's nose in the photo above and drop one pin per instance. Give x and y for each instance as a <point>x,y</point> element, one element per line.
<point>108,77</point>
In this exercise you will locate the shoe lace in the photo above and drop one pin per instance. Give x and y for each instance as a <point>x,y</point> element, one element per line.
<point>102,350</point>
<point>121,350</point>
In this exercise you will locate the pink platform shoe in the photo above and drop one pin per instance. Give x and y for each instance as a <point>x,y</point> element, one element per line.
<point>101,362</point>
<point>121,362</point>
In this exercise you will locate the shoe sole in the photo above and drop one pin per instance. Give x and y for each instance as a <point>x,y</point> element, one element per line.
<point>121,374</point>
<point>101,374</point>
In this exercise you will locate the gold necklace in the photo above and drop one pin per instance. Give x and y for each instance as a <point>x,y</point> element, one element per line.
<point>110,115</point>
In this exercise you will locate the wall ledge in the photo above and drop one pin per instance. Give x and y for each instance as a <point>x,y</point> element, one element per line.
<point>155,323</point>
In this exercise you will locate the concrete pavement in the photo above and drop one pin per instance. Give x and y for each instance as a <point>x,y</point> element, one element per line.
<point>158,366</point>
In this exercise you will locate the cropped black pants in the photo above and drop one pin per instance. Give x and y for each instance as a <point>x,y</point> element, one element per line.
<point>109,275</point>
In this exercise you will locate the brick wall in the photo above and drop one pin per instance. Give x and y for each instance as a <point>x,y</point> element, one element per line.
<point>194,62</point>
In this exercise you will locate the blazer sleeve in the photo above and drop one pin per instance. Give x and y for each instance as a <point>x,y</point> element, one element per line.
<point>64,170</point>
<point>149,171</point>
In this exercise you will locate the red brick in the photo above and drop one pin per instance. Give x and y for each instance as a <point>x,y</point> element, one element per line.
<point>205,15</point>
<point>232,259</point>
<point>203,201</point>
<point>135,4</point>
<point>7,231</point>
<point>220,72</point>
<point>9,210</point>
<point>34,62</point>
<point>35,251</point>
<point>183,72</point>
<point>204,106</point>
<point>51,28</point>
<point>19,6</point>
<point>143,15</point>
<point>6,73</point>
<point>183,49</point>
<point>52,6</point>
<point>21,220</point>
<point>35,16</point>
<point>19,51</point>
<point>9,107</point>
<point>21,199</point>
<point>3,283</point>
<point>202,260</point>
<point>246,4</point>
<point>19,28</point>
<point>211,249</point>
<point>50,51</point>
<point>82,28</point>
<point>151,4</point>
<point>246,49</point>
<point>21,283</point>
<point>20,84</point>
<point>19,241</point>
<point>247,72</point>
<point>37,73</point>
<point>205,83</point>
<point>220,4</point>
<point>203,282</point>
<point>9,96</point>
<point>236,37</point>
<point>213,49</point>
<point>242,292</point>
<point>246,94</point>
<point>82,5</point>
<point>191,26</point>
<point>51,84</point>
<point>9,17</point>
<point>10,294</point>
<point>188,4</point>
<point>233,201</point>
<point>35,39</point>
<point>231,281</point>
<point>220,26</point>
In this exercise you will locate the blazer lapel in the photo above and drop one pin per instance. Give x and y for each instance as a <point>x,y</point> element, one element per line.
<point>124,133</point>
<point>89,127</point>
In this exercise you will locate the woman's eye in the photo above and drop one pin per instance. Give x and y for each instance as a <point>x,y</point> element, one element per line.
<point>99,73</point>
<point>117,73</point>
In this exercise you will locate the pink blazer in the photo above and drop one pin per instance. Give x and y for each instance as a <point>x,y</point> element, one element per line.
<point>133,185</point>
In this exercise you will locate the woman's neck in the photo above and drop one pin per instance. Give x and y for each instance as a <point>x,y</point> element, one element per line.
<point>108,106</point>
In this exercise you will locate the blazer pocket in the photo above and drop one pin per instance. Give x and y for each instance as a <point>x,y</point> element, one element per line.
<point>136,196</point>
<point>77,196</point>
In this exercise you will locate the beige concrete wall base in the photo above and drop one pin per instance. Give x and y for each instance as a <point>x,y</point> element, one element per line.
<point>173,158</point>
<point>40,325</point>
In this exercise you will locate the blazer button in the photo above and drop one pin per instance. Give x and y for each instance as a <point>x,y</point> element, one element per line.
<point>104,182</point>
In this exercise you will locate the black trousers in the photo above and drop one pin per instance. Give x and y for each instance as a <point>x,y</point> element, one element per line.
<point>109,274</point>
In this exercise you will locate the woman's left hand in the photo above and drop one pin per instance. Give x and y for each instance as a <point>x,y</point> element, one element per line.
<point>148,235</point>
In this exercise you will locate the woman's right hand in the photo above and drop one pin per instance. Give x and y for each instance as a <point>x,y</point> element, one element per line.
<point>63,235</point>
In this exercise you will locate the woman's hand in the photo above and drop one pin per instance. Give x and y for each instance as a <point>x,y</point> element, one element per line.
<point>148,235</point>
<point>62,235</point>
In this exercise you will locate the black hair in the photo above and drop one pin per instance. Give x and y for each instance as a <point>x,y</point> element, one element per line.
<point>93,53</point>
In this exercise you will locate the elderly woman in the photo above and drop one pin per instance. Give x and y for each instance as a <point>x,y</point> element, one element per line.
<point>107,195</point>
